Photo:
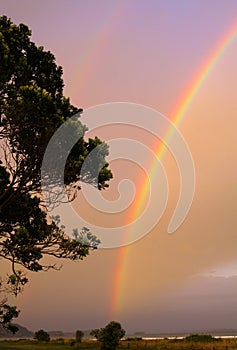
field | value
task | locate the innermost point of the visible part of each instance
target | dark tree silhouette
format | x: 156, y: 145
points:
x: 109, y: 336
x: 41, y: 335
x: 79, y: 336
x: 32, y: 108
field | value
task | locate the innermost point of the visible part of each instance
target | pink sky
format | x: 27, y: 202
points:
x: 147, y: 52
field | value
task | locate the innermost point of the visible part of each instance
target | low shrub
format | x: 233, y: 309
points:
x: 203, y: 338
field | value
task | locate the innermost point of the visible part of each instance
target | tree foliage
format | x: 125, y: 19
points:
x: 79, y: 336
x: 41, y: 335
x: 109, y: 336
x: 202, y: 338
x: 32, y: 108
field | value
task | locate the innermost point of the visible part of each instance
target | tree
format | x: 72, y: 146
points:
x: 109, y: 336
x: 41, y: 335
x: 32, y: 108
x: 79, y: 336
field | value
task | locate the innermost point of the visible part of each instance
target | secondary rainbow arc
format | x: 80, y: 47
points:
x: 178, y: 114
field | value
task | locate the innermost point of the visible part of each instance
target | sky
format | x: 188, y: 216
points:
x: 150, y: 53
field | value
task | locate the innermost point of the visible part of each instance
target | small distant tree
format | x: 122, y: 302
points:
x: 79, y: 336
x: 109, y: 336
x: 41, y: 335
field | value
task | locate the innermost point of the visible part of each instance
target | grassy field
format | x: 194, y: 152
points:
x: 164, y: 344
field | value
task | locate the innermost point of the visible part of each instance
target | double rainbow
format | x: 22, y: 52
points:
x: 185, y: 101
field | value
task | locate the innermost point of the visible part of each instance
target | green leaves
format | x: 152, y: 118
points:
x: 7, y: 313
x: 109, y: 336
x: 32, y: 109
x: 41, y: 335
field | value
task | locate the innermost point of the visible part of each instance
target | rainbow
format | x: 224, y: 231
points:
x: 89, y: 64
x: 177, y: 116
